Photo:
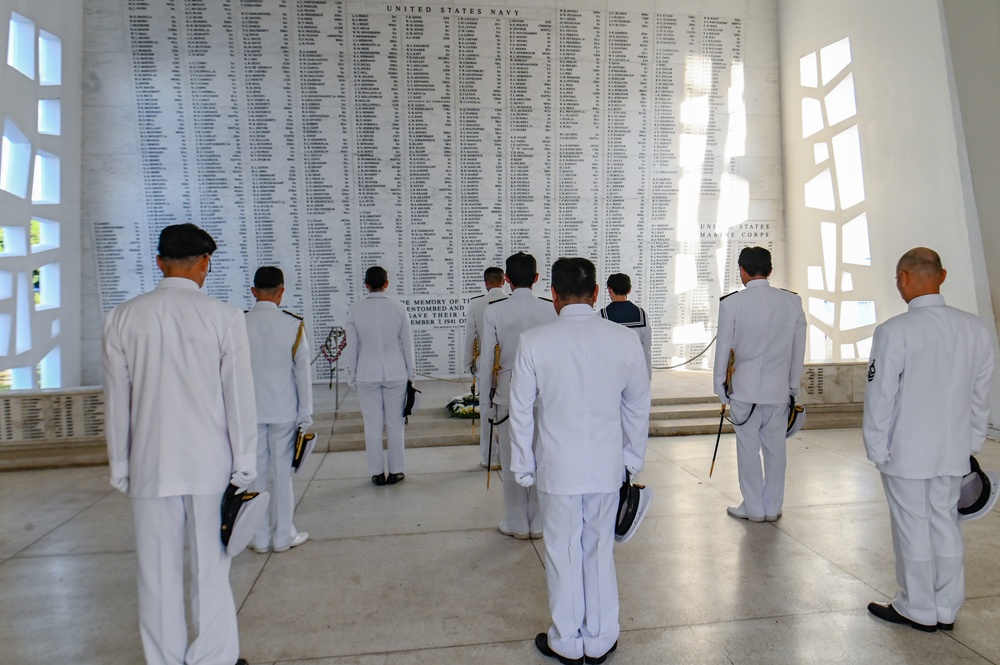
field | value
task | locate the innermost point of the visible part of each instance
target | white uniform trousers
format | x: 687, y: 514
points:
x: 520, y: 504
x: 159, y: 545
x: 763, y: 432
x: 927, y: 540
x: 275, y: 448
x: 382, y: 406
x: 580, y: 571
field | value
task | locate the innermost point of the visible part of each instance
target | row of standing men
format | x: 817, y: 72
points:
x: 189, y: 410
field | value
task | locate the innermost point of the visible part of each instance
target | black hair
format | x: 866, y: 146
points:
x: 620, y: 284
x: 184, y: 241
x: 493, y: 276
x: 574, y: 278
x: 521, y: 270
x: 267, y: 278
x: 756, y: 261
x: 376, y: 277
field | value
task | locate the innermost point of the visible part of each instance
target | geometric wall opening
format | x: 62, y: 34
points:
x: 45, y: 183
x: 44, y: 235
x: 840, y: 324
x: 49, y: 59
x: 50, y: 370
x: 21, y: 45
x: 13, y: 241
x: 15, y: 160
x: 50, y: 117
x: 47, y: 293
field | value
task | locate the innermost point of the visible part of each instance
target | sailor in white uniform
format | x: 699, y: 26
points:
x: 926, y: 412
x: 181, y: 426
x: 474, y: 312
x: 379, y: 357
x: 588, y: 379
x: 624, y: 312
x: 279, y: 356
x: 503, y: 324
x: 765, y: 330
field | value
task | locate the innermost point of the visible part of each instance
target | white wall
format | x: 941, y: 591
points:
x: 916, y: 174
x: 55, y: 325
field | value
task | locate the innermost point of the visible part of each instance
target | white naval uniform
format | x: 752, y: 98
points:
x: 587, y: 377
x: 279, y: 356
x: 180, y: 419
x: 766, y: 329
x: 474, y: 331
x: 926, y: 412
x: 503, y: 324
x: 379, y: 357
x: 630, y: 315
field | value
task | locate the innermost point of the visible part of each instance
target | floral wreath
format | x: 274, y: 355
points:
x: 464, y: 406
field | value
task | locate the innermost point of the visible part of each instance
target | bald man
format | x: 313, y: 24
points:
x: 926, y: 412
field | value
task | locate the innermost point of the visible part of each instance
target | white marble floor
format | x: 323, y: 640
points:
x: 417, y: 573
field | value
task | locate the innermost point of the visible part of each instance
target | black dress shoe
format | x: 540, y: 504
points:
x: 542, y: 644
x: 379, y: 479
x: 887, y: 612
x: 242, y: 661
x: 394, y: 478
x: 946, y: 626
x: 597, y: 660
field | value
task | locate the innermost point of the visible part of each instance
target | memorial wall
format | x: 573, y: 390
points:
x: 437, y: 139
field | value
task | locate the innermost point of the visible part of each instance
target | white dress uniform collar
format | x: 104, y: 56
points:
x: 753, y: 283
x: 929, y: 300
x: 178, y: 282
x: 265, y: 304
x: 577, y: 309
x: 378, y: 294
x: 522, y: 292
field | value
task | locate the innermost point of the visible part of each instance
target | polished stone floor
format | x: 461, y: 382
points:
x: 417, y: 573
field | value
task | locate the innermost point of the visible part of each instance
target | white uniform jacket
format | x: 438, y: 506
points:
x: 503, y: 323
x: 927, y: 400
x: 766, y: 329
x: 379, y: 342
x: 587, y: 376
x: 178, y: 392
x: 474, y: 312
x: 279, y: 356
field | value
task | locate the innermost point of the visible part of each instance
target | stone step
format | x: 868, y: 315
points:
x: 685, y: 417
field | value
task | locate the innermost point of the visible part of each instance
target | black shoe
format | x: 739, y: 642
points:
x: 379, y: 479
x: 887, y: 612
x: 242, y: 661
x: 542, y: 644
x: 394, y: 478
x: 597, y: 660
x: 946, y: 626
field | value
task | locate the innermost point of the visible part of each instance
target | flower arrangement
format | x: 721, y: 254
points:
x: 464, y: 406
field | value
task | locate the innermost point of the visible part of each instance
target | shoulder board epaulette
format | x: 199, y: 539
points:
x: 292, y: 314
x: 727, y: 295
x: 497, y: 300
x: 603, y: 312
x: 792, y: 292
x: 545, y: 299
x: 481, y: 295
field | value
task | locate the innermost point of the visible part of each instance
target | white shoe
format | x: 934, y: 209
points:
x: 536, y: 535
x: 740, y: 513
x: 259, y: 550
x: 507, y: 532
x: 300, y: 537
x: 772, y: 518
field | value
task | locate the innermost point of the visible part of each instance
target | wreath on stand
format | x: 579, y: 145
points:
x: 464, y: 406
